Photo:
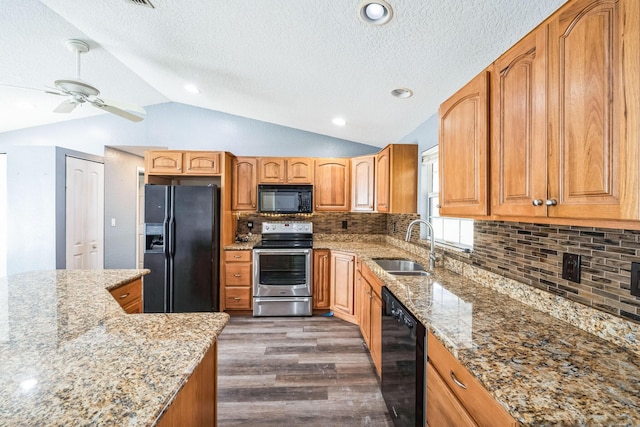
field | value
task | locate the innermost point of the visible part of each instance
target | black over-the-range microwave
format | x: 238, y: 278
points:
x: 286, y: 199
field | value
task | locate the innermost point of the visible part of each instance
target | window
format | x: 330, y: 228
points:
x: 457, y: 232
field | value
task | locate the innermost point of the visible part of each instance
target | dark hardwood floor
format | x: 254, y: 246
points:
x: 296, y: 371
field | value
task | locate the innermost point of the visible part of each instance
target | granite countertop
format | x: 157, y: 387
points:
x: 70, y: 355
x: 543, y: 370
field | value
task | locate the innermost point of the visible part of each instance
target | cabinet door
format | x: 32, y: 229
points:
x: 342, y: 277
x: 383, y: 180
x: 332, y: 189
x: 272, y: 170
x: 375, y: 337
x: 163, y: 162
x: 363, y: 306
x: 300, y: 171
x: 594, y: 110
x: 244, y: 193
x: 463, y: 151
x: 202, y: 162
x: 519, y: 143
x: 321, y: 294
x: 362, y: 183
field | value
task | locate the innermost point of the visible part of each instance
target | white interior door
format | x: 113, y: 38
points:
x: 84, y: 214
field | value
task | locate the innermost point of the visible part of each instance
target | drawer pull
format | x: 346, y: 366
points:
x: 124, y: 295
x: 455, y: 380
x: 237, y: 298
x: 237, y: 275
x: 237, y: 256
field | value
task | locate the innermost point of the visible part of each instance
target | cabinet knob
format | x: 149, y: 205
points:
x: 537, y: 202
x: 551, y: 202
x: 188, y: 169
x: 253, y: 206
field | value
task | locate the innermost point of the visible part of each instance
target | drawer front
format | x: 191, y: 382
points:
x: 135, y: 307
x: 237, y: 256
x: 475, y: 398
x: 238, y: 275
x: 126, y: 294
x: 237, y: 298
x: 443, y: 408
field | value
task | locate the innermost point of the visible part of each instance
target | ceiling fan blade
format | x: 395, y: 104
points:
x: 117, y: 111
x: 66, y: 106
x: 47, y: 90
x: 124, y: 105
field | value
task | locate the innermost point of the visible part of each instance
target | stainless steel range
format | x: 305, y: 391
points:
x: 282, y: 281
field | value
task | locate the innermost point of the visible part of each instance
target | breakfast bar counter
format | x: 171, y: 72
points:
x: 70, y: 355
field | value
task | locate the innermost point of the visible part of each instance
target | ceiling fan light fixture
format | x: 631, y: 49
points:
x: 377, y: 12
x: 402, y: 93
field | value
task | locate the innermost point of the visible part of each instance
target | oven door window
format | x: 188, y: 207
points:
x: 282, y: 269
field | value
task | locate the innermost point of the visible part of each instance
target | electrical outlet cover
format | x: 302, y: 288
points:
x: 635, y: 279
x: 571, y: 267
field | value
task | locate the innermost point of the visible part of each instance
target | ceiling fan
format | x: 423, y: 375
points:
x: 78, y: 92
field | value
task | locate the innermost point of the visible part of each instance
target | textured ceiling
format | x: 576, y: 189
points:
x: 293, y: 63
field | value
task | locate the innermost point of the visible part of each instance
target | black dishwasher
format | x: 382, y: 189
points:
x: 403, y: 363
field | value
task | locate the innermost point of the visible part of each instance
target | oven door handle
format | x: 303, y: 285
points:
x: 281, y: 299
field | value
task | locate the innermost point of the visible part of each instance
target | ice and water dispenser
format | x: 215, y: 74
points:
x: 154, y: 238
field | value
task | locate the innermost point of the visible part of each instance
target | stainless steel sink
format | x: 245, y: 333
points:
x: 401, y: 265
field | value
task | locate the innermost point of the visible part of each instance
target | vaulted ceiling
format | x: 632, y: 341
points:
x: 296, y: 63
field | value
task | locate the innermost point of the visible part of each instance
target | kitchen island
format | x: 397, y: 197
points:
x: 70, y: 355
x: 542, y: 370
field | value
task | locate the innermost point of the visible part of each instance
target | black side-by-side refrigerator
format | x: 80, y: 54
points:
x: 181, y: 248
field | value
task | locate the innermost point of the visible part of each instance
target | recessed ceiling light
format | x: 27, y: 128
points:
x: 402, y: 93
x: 376, y: 12
x: 192, y: 88
x: 339, y: 121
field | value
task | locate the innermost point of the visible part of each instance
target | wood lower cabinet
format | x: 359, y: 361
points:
x: 332, y: 189
x: 369, y: 303
x: 466, y: 397
x: 342, y: 267
x: 397, y: 179
x: 238, y: 272
x: 295, y: 170
x: 464, y: 150
x: 244, y: 184
x: 167, y: 162
x: 321, y: 282
x: 363, y: 183
x: 196, y: 404
x: 129, y: 296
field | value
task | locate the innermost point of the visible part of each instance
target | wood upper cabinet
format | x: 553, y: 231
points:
x: 321, y: 282
x: 519, y: 138
x: 244, y: 186
x: 342, y: 266
x: 275, y: 170
x: 167, y: 162
x: 463, y: 150
x: 397, y: 179
x: 383, y: 180
x: 362, y: 183
x: 594, y: 109
x: 332, y: 189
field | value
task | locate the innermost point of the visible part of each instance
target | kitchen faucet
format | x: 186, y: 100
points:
x: 432, y: 252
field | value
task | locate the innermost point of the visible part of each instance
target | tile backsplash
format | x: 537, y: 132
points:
x: 323, y: 222
x: 532, y: 254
